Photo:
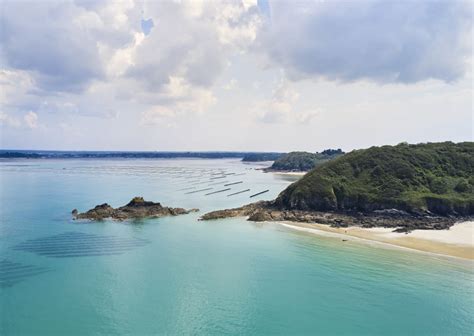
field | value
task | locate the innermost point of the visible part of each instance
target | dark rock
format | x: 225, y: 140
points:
x: 136, y: 208
x: 400, y: 221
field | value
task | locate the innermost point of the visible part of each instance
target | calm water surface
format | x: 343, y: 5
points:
x: 184, y: 276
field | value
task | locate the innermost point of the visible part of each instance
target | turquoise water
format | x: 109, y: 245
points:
x: 184, y: 276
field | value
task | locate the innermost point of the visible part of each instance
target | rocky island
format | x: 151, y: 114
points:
x: 405, y: 187
x: 136, y: 208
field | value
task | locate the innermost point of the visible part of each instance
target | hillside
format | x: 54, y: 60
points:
x: 434, y: 177
x: 303, y: 161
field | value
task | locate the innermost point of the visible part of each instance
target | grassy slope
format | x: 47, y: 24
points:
x: 438, y: 177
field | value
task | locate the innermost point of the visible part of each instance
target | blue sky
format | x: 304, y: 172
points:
x: 237, y: 75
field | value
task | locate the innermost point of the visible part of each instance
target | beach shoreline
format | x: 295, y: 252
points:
x: 456, y: 242
x: 288, y: 173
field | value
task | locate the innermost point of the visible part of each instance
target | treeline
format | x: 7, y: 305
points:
x: 255, y: 157
x: 304, y: 161
x: 135, y: 155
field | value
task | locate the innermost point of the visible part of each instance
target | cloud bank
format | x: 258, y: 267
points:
x: 382, y: 41
x: 152, y: 64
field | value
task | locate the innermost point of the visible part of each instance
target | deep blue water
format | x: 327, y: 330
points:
x: 183, y: 276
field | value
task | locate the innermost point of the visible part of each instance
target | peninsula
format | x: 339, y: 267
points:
x: 303, y: 161
x: 404, y: 187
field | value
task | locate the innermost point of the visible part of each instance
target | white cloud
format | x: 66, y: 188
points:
x: 232, y: 84
x: 90, y: 66
x: 96, y: 57
x: 280, y: 107
x: 58, y: 42
x: 8, y: 120
x: 382, y: 41
x: 156, y: 115
x: 31, y: 120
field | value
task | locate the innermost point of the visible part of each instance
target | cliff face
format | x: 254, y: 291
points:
x: 136, y: 208
x: 425, y: 178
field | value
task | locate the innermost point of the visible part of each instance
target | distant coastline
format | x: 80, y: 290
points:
x: 47, y: 154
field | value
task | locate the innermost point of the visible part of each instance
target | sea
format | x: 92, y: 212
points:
x: 182, y: 276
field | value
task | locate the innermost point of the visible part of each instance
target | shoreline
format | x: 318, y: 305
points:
x: 284, y: 172
x: 456, y: 242
x: 288, y: 173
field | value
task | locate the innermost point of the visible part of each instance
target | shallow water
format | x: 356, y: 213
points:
x: 183, y: 276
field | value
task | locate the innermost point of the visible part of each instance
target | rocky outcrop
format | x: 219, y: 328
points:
x: 136, y: 208
x: 244, y: 211
x: 400, y: 221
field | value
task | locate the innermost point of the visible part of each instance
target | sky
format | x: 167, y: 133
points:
x: 234, y: 75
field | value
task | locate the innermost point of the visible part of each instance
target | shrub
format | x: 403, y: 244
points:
x: 439, y: 185
x: 462, y: 186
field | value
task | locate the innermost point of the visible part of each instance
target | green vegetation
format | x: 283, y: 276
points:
x: 434, y: 177
x: 304, y: 161
x: 256, y: 157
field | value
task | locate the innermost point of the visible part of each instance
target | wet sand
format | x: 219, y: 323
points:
x: 458, y: 241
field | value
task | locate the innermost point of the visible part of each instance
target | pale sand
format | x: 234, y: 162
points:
x: 458, y: 241
x: 289, y: 173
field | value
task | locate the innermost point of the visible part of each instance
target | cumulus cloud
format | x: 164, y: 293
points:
x: 382, y: 41
x: 179, y: 97
x: 29, y: 120
x: 17, y: 89
x: 191, y: 40
x: 97, y: 55
x: 158, y: 62
x: 62, y: 43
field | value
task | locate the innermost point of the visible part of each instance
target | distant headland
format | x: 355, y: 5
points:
x: 44, y: 154
x: 303, y: 161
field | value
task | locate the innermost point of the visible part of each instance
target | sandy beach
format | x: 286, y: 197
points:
x: 289, y: 173
x: 458, y: 241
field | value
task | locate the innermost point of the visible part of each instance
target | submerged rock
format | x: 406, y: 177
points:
x: 136, y: 208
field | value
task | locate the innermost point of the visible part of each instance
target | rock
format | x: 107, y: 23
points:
x: 398, y: 220
x: 392, y: 212
x: 136, y: 208
x: 260, y: 216
x: 246, y: 210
